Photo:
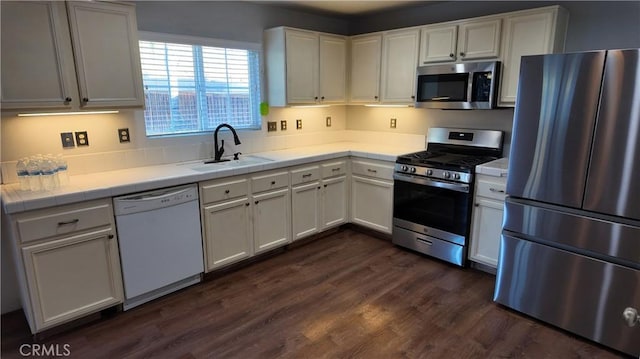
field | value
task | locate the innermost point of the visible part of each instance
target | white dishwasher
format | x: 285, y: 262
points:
x: 160, y: 242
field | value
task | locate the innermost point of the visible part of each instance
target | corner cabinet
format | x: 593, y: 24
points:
x: 67, y: 261
x: 305, y: 67
x: 372, y: 194
x: 399, y: 63
x: 486, y: 223
x: 530, y: 32
x: 469, y: 40
x: 74, y: 55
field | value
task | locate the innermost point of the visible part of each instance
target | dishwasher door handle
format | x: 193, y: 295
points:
x: 154, y: 195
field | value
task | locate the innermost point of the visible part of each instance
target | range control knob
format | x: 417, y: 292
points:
x: 404, y: 168
x: 456, y: 176
x: 429, y: 172
x: 412, y: 170
x: 447, y: 175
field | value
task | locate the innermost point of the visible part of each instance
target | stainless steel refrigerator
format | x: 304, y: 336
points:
x: 570, y: 246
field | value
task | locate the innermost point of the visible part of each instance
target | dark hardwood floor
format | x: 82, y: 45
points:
x: 346, y: 295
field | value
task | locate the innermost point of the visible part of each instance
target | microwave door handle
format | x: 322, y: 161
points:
x: 440, y: 98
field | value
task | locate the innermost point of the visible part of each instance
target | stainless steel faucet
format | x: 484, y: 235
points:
x: 218, y: 151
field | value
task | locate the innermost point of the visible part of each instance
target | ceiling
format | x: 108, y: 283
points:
x: 346, y: 7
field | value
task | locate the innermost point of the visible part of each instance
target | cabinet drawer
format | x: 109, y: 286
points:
x: 371, y: 169
x: 334, y: 169
x: 305, y: 174
x: 63, y: 220
x: 269, y: 181
x: 494, y: 190
x: 218, y: 191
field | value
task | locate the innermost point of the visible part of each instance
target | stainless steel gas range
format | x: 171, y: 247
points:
x: 433, y: 191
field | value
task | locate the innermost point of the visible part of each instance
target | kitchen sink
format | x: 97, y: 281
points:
x: 210, y: 165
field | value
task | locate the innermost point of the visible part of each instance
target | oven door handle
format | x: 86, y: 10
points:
x: 459, y: 187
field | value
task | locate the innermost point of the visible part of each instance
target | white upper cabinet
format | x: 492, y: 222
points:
x: 399, y: 63
x: 468, y: 40
x: 529, y: 32
x: 37, y: 63
x: 107, y: 56
x: 305, y: 67
x: 365, y: 68
x: 86, y: 59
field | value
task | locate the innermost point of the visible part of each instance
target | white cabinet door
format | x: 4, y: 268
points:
x: 365, y: 69
x: 228, y: 236
x: 107, y: 57
x: 271, y: 220
x: 479, y: 40
x: 485, y: 234
x: 305, y: 210
x: 73, y: 276
x: 399, y: 62
x: 334, y: 201
x: 333, y: 69
x: 438, y: 43
x: 37, y: 60
x: 372, y: 203
x: 301, y: 66
x: 528, y: 33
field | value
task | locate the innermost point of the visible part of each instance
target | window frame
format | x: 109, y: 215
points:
x: 208, y: 42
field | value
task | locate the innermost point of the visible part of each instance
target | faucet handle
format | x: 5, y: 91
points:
x: 235, y: 156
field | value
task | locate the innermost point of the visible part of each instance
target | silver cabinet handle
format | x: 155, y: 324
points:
x: 496, y: 190
x: 440, y: 98
x: 631, y: 316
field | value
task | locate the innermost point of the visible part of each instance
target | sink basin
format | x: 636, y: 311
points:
x: 210, y: 165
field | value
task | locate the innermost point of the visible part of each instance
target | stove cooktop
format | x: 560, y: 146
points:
x: 443, y: 160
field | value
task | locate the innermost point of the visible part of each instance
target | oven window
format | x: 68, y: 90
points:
x: 447, y: 87
x: 433, y: 207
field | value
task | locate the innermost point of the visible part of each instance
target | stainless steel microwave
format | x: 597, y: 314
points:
x: 472, y: 85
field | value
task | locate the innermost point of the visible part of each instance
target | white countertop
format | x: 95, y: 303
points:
x: 120, y: 182
x: 496, y: 168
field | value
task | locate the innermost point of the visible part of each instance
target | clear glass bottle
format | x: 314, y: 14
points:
x: 63, y: 174
x: 33, y: 168
x: 23, y: 174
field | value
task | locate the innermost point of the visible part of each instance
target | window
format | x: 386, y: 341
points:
x: 190, y: 87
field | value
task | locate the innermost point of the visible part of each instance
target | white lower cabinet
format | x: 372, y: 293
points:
x: 486, y: 226
x: 227, y: 232
x: 67, y: 260
x: 238, y: 222
x: 334, y: 201
x: 305, y: 203
x: 372, y: 194
x: 271, y: 220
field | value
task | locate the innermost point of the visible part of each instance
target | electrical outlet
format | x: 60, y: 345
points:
x: 298, y: 124
x: 392, y: 123
x: 123, y: 135
x: 67, y: 139
x: 283, y: 125
x: 82, y: 138
x: 328, y: 121
x: 272, y: 126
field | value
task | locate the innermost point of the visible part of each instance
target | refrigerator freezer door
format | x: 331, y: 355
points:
x: 613, y: 182
x: 553, y: 126
x: 586, y: 296
x: 611, y: 241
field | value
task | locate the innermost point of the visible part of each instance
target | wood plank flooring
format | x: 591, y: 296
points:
x: 348, y: 295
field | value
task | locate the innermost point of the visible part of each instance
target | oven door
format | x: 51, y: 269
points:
x: 437, y: 208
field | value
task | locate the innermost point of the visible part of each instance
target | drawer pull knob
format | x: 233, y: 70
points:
x: 496, y: 190
x: 226, y: 191
x: 372, y: 171
x: 273, y: 182
x: 256, y: 202
x: 66, y: 223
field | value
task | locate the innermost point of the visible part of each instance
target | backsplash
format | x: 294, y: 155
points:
x: 26, y: 136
